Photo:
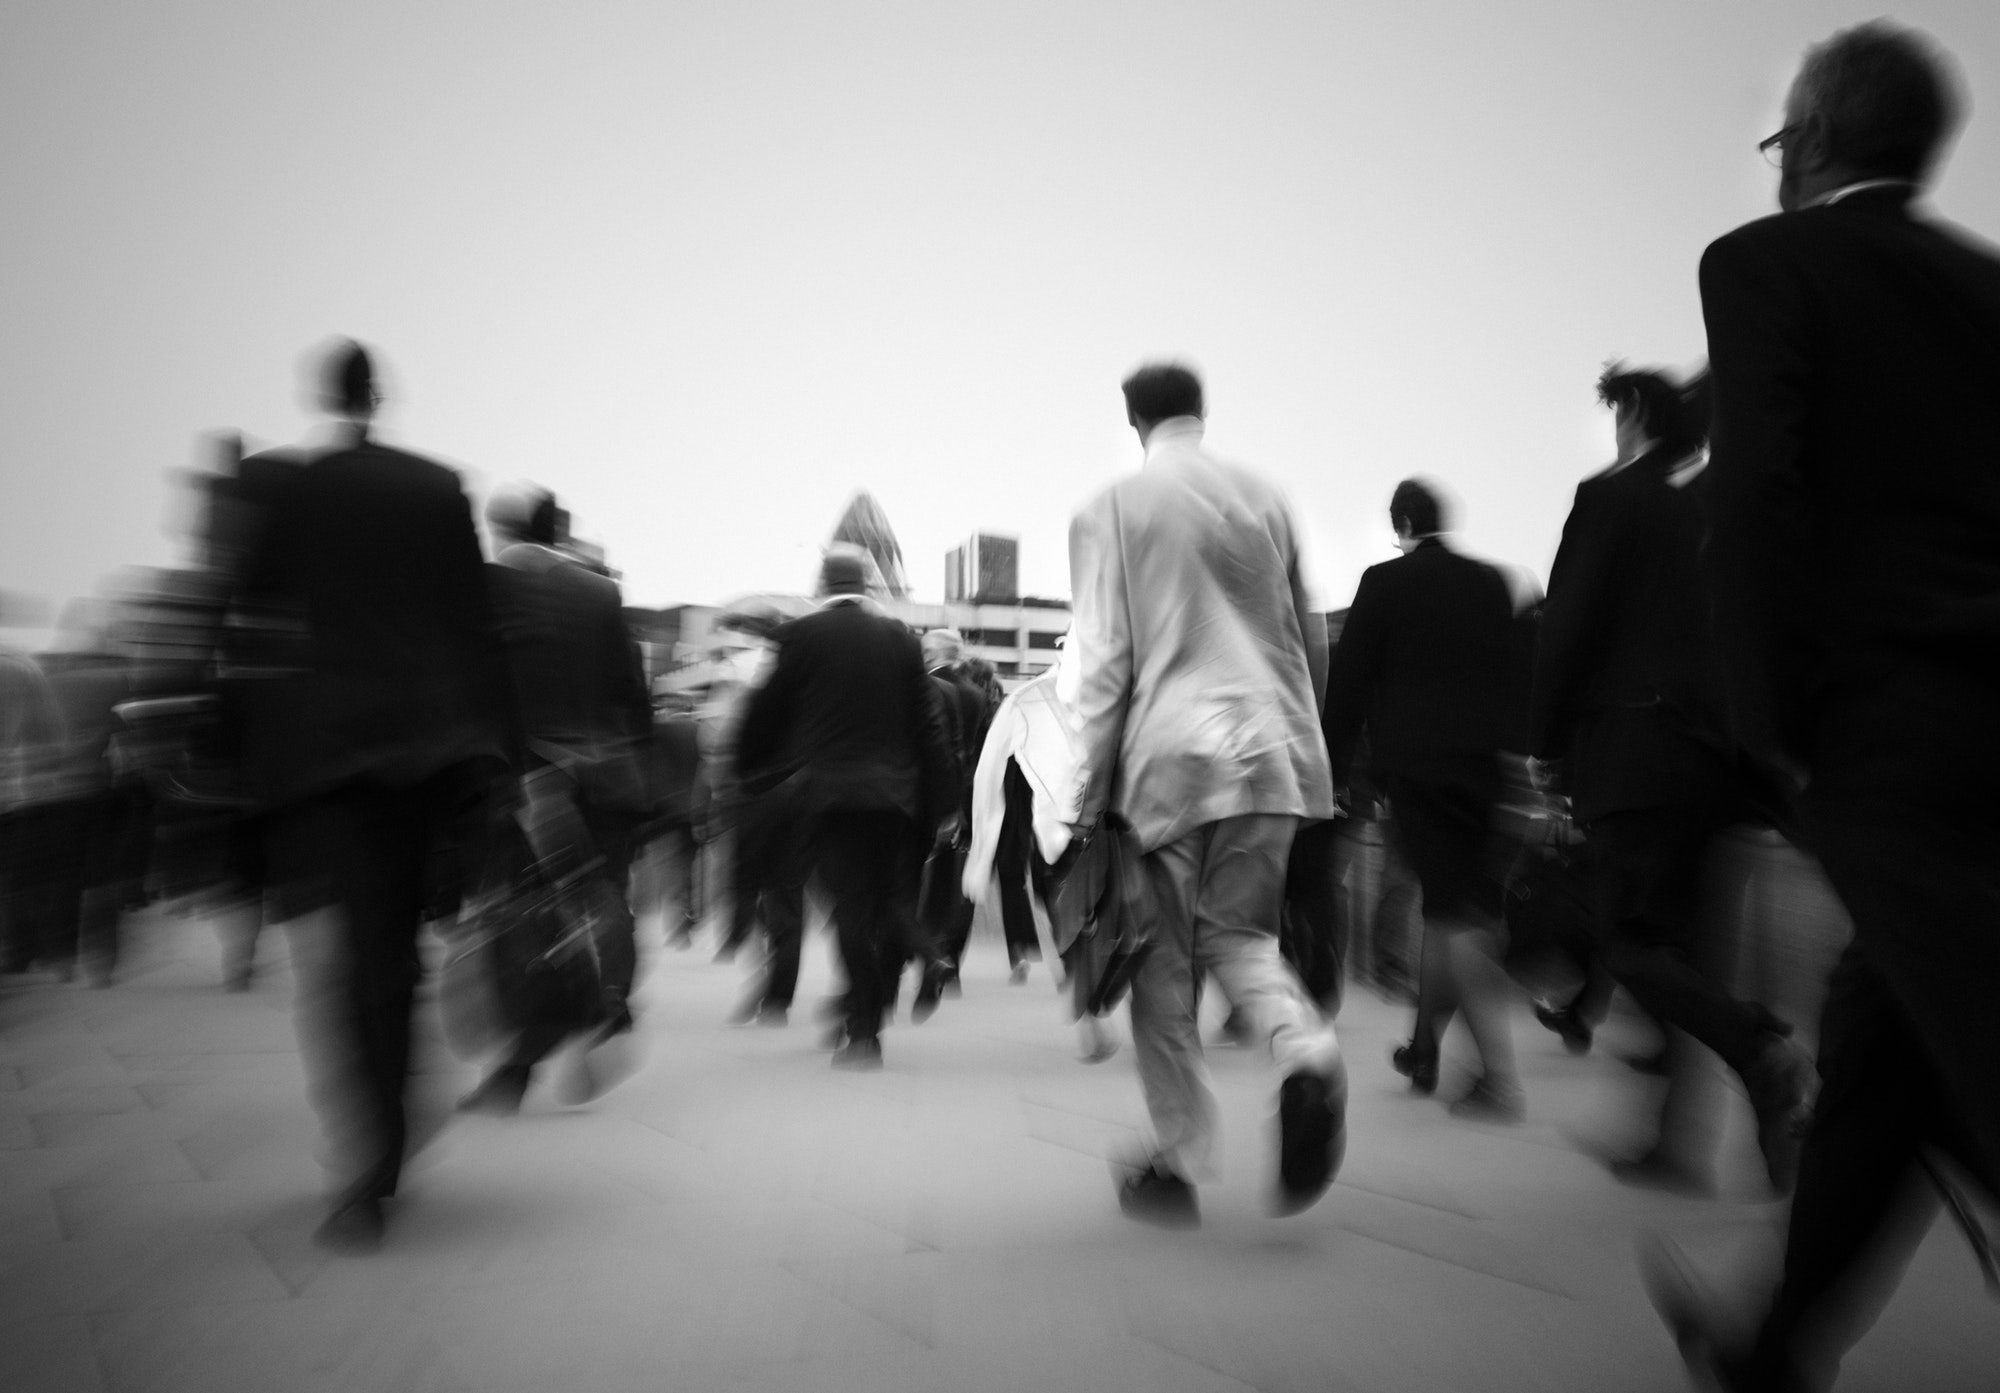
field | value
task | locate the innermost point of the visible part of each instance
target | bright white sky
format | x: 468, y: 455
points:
x: 705, y: 270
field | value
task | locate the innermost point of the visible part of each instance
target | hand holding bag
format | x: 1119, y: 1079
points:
x: 1104, y: 917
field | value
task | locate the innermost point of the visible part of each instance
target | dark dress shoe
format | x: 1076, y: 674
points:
x: 1487, y: 1101
x: 1154, y: 1196
x: 1312, y: 1136
x: 1421, y: 1071
x: 929, y: 991
x: 1575, y: 1031
x: 860, y: 1055
x: 355, y: 1227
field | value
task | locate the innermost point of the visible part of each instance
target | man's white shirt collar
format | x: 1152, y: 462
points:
x: 1175, y: 430
x: 1832, y: 196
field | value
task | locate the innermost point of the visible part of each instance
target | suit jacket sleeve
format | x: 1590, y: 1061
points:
x: 936, y: 751
x: 767, y: 715
x: 1760, y: 329
x: 1579, y: 604
x: 1356, y: 673
x: 1312, y: 628
x: 1101, y: 639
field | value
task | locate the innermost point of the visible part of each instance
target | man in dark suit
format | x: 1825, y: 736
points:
x: 371, y: 751
x: 848, y: 715
x: 1423, y: 664
x: 945, y: 912
x: 1856, y: 464
x: 586, y: 716
x: 1628, y: 696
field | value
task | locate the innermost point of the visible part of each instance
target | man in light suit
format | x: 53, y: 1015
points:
x: 1856, y: 486
x: 1201, y: 670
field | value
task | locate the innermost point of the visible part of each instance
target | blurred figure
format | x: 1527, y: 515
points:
x: 1201, y: 667
x: 848, y: 712
x: 31, y: 742
x: 96, y: 812
x: 1380, y: 905
x: 1628, y: 695
x: 375, y: 754
x: 1018, y: 830
x: 676, y: 756
x: 1423, y: 662
x: 586, y: 718
x: 742, y: 660
x: 945, y: 912
x: 1856, y: 352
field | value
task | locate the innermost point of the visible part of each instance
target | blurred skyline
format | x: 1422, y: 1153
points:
x: 708, y: 270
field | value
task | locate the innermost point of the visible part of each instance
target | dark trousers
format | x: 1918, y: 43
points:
x: 1018, y: 865
x: 373, y: 847
x: 771, y: 874
x: 944, y: 914
x: 868, y: 862
x: 1310, y: 931
x: 1646, y: 872
x: 1909, y: 1058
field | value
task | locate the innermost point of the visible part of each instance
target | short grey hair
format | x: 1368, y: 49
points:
x: 1888, y: 96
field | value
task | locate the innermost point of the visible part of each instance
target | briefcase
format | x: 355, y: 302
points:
x: 524, y: 951
x: 1104, y: 917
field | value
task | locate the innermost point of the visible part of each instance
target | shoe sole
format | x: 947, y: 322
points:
x: 1312, y: 1138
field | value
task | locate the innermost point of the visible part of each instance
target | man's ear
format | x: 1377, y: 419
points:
x: 1812, y: 144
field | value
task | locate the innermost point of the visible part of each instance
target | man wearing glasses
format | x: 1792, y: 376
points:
x: 1856, y: 476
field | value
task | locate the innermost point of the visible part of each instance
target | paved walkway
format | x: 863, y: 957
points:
x: 740, y: 1216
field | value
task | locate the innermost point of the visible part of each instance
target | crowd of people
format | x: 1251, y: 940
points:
x: 1768, y: 611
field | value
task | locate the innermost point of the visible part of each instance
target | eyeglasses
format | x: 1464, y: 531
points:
x: 1772, y: 147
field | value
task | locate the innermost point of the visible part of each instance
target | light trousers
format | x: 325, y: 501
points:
x: 1218, y: 892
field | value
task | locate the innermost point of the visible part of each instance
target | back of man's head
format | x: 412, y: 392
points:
x: 1674, y: 416
x: 524, y: 513
x: 1886, y: 97
x: 1416, y: 508
x: 347, y: 381
x: 843, y: 570
x: 1159, y: 391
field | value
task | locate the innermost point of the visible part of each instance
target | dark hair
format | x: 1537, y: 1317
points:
x: 1886, y: 96
x: 1674, y: 415
x: 542, y: 520
x: 1160, y: 390
x: 1416, y: 506
x: 984, y: 676
x: 350, y: 379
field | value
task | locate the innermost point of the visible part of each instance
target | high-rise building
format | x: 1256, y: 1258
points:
x: 864, y: 524
x: 985, y: 571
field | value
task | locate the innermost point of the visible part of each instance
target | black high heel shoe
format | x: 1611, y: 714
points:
x: 1420, y: 1070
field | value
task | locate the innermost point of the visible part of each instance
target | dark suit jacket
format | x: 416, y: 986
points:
x: 400, y: 673
x: 1424, y: 661
x: 850, y: 713
x: 1628, y: 686
x: 1856, y: 557
x: 970, y: 720
x: 576, y: 668
x: 1856, y: 353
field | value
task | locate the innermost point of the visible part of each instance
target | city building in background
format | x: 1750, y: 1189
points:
x: 865, y: 525
x: 985, y: 571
